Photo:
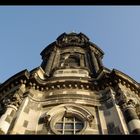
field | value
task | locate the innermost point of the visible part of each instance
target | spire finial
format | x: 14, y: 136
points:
x: 73, y: 31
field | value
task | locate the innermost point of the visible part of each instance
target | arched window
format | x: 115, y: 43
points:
x: 71, y: 60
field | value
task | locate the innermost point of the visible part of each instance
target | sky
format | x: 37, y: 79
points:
x: 26, y: 30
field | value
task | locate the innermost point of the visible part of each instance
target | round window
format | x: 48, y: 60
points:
x: 68, y: 119
x: 67, y: 124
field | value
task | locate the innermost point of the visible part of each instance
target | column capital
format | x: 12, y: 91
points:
x: 12, y: 100
x: 129, y: 104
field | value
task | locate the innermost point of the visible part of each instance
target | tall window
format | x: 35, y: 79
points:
x: 71, y: 60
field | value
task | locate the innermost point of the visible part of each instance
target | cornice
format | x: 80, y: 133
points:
x: 16, y: 79
x: 118, y: 77
x: 48, y: 83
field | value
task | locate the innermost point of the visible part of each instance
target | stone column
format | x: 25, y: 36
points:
x: 94, y: 61
x: 55, y: 63
x: 11, y: 104
x: 7, y: 118
x: 100, y: 62
x: 16, y: 122
x: 131, y: 117
x: 82, y: 60
x: 50, y: 62
x: 121, y: 119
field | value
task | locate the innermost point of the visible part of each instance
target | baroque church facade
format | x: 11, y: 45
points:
x: 71, y: 92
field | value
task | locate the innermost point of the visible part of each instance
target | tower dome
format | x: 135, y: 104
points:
x: 72, y: 51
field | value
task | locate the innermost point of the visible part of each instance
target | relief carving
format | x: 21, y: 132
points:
x: 13, y: 99
x: 72, y: 40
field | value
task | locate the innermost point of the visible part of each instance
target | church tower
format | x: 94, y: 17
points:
x: 71, y: 92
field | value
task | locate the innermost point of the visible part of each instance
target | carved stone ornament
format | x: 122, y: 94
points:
x: 71, y: 40
x: 129, y: 104
x: 15, y: 100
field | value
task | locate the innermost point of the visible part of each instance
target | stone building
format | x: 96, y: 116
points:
x: 71, y: 92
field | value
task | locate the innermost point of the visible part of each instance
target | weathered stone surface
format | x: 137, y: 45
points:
x: 71, y: 92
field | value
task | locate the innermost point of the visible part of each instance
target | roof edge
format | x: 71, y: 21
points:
x: 24, y: 73
x: 125, y: 77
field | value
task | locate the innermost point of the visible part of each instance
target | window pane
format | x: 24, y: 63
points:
x: 68, y: 126
x: 58, y: 126
x: 78, y: 125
